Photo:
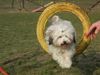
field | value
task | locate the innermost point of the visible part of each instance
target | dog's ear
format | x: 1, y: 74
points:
x: 74, y: 38
x: 50, y: 40
x: 48, y: 35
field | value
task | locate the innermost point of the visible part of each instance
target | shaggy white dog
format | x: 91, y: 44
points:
x: 60, y: 37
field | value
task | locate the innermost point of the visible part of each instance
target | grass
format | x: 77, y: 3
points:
x: 18, y: 39
x: 18, y: 36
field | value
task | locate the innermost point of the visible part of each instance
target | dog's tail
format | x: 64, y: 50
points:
x: 55, y: 18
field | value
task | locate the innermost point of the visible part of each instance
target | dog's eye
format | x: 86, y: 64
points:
x: 66, y: 36
x: 60, y: 37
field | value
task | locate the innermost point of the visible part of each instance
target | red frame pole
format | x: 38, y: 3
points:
x: 3, y: 71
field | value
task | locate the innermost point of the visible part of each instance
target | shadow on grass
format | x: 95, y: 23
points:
x: 88, y: 64
x: 44, y: 65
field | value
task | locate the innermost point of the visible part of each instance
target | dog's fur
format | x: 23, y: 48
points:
x: 61, y: 39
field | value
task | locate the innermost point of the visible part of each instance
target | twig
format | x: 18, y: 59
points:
x: 16, y: 58
x: 94, y: 5
x: 41, y: 7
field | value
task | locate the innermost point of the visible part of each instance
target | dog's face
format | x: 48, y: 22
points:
x: 61, y: 34
x: 61, y: 38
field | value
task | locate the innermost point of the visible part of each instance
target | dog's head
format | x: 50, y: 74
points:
x: 61, y: 33
x: 61, y: 38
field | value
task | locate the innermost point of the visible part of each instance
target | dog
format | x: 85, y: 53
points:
x: 60, y: 37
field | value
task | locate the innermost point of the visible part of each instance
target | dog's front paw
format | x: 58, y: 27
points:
x: 65, y: 63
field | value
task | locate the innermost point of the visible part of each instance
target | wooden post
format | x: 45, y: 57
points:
x: 12, y: 3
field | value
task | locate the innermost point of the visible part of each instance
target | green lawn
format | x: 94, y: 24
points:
x: 18, y: 36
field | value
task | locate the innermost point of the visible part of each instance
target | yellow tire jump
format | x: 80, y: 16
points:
x: 68, y: 7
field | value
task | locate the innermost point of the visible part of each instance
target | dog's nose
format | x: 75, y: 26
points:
x: 64, y: 42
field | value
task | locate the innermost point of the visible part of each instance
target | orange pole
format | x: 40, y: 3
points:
x: 3, y: 71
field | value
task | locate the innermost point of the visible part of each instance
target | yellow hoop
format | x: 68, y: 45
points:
x: 58, y: 7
